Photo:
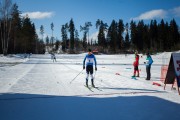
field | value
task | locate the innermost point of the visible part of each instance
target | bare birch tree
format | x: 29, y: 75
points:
x: 5, y: 23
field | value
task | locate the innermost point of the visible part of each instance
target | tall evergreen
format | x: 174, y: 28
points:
x: 146, y: 39
x: 16, y: 30
x: 76, y: 40
x: 101, y: 35
x: 174, y: 33
x: 127, y: 41
x: 85, y: 29
x: 52, y: 37
x: 26, y: 26
x: 85, y: 40
x: 133, y: 34
x: 166, y: 38
x: 112, y: 36
x: 71, y: 30
x: 28, y: 41
x: 161, y: 35
x: 35, y: 39
x: 47, y: 40
x: 120, y: 31
x: 64, y: 36
x: 42, y: 31
x: 153, y: 34
x: 139, y: 40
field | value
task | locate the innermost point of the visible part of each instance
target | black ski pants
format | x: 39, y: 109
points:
x: 148, y: 71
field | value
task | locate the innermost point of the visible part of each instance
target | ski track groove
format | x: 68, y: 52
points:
x: 15, y: 81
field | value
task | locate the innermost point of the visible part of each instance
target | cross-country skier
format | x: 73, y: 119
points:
x: 148, y: 63
x: 136, y: 64
x: 53, y: 57
x: 90, y: 59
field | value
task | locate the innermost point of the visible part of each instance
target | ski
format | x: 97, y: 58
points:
x: 89, y: 88
x: 133, y: 77
x: 97, y: 88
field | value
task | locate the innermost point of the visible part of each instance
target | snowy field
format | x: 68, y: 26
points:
x: 37, y: 88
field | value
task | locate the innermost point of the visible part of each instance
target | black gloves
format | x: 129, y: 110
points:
x: 83, y: 67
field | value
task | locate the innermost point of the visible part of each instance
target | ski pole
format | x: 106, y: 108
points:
x: 76, y: 76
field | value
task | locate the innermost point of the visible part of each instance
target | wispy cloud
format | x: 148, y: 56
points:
x: 38, y: 15
x: 176, y: 11
x: 160, y: 13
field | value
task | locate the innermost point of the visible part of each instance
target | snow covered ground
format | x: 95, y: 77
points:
x: 38, y: 89
x: 12, y: 60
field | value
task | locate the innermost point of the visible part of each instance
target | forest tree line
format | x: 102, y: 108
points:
x: 18, y: 35
x: 119, y: 37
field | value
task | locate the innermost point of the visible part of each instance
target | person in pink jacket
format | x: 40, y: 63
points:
x: 136, y: 64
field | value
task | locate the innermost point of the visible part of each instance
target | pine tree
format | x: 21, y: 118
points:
x: 167, y: 40
x: 42, y: 31
x: 161, y: 35
x: 140, y: 29
x: 71, y: 30
x: 120, y: 31
x: 174, y: 33
x: 64, y: 36
x: 47, y: 40
x: 52, y: 37
x: 145, y: 38
x: 57, y: 44
x: 127, y: 42
x: 133, y: 34
x: 101, y: 35
x: 15, y: 31
x: 112, y: 36
x: 29, y: 42
x: 85, y: 41
x: 76, y: 40
x: 26, y: 24
x: 85, y: 29
x: 153, y: 34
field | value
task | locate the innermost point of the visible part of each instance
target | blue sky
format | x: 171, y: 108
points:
x: 44, y: 12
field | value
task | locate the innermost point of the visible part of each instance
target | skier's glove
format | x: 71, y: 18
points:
x: 83, y: 67
x: 96, y: 68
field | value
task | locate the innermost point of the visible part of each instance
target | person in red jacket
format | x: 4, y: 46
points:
x: 136, y: 64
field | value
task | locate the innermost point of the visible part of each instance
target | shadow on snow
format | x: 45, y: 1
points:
x: 48, y: 107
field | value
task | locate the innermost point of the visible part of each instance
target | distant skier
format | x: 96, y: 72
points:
x: 148, y: 63
x: 90, y: 59
x: 53, y: 57
x: 136, y: 64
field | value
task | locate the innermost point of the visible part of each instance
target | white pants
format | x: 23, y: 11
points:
x: 87, y: 76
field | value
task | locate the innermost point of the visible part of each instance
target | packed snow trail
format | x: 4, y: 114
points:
x: 40, y: 89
